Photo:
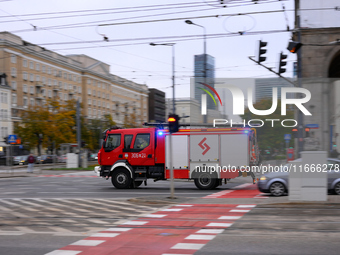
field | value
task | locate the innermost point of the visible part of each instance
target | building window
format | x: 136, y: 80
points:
x: 65, y: 75
x: 60, y: 95
x: 14, y: 85
x: 37, y: 66
x: 25, y: 102
x: 94, y: 102
x: 43, y: 69
x: 43, y: 80
x: 50, y: 93
x: 49, y: 82
x: 55, y: 72
x: 60, y: 85
x: 90, y: 112
x: 24, y: 76
x: 37, y: 78
x: 24, y: 62
x: 89, y: 101
x: 31, y: 65
x: 65, y: 97
x: 65, y: 85
x: 88, y: 81
x: 13, y: 58
x: 74, y: 78
x: 70, y: 77
x: 31, y: 77
x: 89, y: 91
x: 32, y: 89
x: 49, y: 70
x: 14, y: 99
x: 99, y: 94
x: 94, y: 93
x: 70, y: 87
x: 79, y: 80
x: 32, y: 101
x: 25, y: 88
x: 79, y: 89
x: 55, y: 82
x: 14, y: 72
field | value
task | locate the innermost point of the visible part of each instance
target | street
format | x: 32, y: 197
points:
x: 61, y: 212
x: 45, y: 212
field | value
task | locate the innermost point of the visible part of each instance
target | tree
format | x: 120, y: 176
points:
x: 48, y: 125
x: 130, y: 121
x: 270, y: 137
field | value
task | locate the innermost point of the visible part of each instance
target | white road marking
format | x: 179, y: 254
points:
x: 134, y: 222
x: 105, y: 235
x: 155, y: 215
x: 217, y: 224
x: 184, y: 205
x: 200, y: 237
x: 239, y: 210
x: 118, y: 229
x: 245, y: 206
x: 229, y: 217
x: 88, y: 242
x: 188, y: 246
x: 63, y: 252
x: 210, y: 231
x: 171, y: 210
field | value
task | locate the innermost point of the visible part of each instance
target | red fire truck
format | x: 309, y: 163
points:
x: 209, y: 156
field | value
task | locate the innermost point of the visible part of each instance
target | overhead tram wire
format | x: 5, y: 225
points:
x: 79, y: 25
x: 133, y: 9
x: 172, y: 38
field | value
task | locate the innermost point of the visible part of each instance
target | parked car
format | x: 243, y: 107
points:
x: 44, y: 159
x: 20, y: 160
x: 276, y: 183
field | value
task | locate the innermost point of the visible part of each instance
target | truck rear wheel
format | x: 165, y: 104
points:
x: 121, y: 178
x: 206, y: 181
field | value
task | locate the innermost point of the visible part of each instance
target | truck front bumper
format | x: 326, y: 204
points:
x: 97, y: 170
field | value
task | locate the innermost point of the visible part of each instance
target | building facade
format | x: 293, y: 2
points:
x: 6, y: 127
x: 156, y: 106
x: 204, y: 73
x: 36, y: 74
x: 319, y: 29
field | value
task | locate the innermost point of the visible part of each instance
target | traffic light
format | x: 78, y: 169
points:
x: 262, y: 51
x: 295, y: 132
x: 6, y: 140
x: 282, y: 63
x: 293, y: 47
x: 173, y: 123
x: 307, y: 132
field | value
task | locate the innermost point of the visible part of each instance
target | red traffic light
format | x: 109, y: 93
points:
x: 293, y: 47
x: 294, y: 129
x: 307, y: 129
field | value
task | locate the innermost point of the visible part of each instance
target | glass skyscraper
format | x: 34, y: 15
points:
x: 199, y: 78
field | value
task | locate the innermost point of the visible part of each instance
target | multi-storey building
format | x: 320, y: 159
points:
x: 156, y: 105
x: 5, y: 110
x: 204, y: 72
x: 36, y: 74
x: 264, y: 88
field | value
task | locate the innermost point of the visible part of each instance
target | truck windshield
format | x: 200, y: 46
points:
x: 112, y: 142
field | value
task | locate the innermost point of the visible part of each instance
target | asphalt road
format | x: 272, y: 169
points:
x: 45, y: 212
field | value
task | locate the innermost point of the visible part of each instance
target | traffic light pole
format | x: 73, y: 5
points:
x: 270, y: 69
x: 172, y: 185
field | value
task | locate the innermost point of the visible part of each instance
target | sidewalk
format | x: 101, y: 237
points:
x: 21, y: 171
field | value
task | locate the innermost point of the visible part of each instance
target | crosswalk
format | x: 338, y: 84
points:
x: 60, y: 216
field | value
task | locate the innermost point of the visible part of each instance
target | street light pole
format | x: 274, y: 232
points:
x: 204, y: 56
x: 172, y: 184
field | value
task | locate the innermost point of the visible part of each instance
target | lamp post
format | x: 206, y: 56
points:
x: 189, y: 22
x: 172, y: 185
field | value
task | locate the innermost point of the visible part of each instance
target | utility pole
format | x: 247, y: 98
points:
x: 78, y: 133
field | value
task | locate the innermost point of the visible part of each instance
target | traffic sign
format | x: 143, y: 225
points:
x: 287, y: 137
x: 312, y: 126
x: 12, y: 139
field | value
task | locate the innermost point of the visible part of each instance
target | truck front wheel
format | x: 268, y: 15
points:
x: 206, y: 181
x: 121, y: 178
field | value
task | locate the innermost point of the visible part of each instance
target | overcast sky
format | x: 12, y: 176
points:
x: 130, y: 56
